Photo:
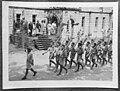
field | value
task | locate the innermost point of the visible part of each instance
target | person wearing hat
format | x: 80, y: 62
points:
x: 99, y: 51
x: 110, y: 52
x: 72, y: 55
x: 29, y: 63
x: 87, y: 53
x: 57, y: 55
x: 67, y: 50
x: 93, y: 55
x: 38, y: 25
x: 79, y: 56
x: 62, y: 59
x: 104, y: 52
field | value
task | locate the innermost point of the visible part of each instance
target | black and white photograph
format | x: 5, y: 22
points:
x: 60, y: 44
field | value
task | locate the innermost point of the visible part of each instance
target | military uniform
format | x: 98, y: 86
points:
x: 93, y: 56
x: 72, y: 56
x: 79, y: 57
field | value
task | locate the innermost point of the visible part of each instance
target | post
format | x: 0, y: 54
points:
x: 89, y: 24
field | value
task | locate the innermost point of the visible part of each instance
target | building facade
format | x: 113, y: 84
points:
x: 94, y: 21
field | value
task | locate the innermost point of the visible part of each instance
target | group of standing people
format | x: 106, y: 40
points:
x: 85, y: 51
x: 46, y: 27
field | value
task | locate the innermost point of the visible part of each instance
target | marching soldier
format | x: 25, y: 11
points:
x: 99, y: 51
x: 87, y: 53
x: 66, y: 52
x: 72, y: 55
x: 79, y: 57
x: 93, y: 55
x: 110, y: 52
x: 104, y: 53
x: 61, y: 59
x: 51, y: 55
x: 57, y: 55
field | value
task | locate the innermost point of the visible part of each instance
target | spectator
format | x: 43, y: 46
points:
x: 54, y: 27
x: 49, y: 27
x: 24, y: 30
x: 38, y: 25
x: 31, y: 28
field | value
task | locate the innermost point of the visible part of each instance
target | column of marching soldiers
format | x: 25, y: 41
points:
x: 87, y: 52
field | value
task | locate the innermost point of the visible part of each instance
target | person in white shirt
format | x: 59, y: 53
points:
x: 49, y: 27
x: 54, y: 26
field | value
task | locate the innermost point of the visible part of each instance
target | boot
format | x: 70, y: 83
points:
x: 35, y: 72
x: 25, y: 75
x: 78, y: 66
x: 60, y: 71
x: 65, y: 69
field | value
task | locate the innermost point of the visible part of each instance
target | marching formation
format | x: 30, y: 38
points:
x: 82, y: 53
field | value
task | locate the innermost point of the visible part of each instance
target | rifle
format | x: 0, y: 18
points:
x: 90, y: 46
x: 68, y: 43
x: 55, y: 50
x: 52, y: 45
x: 80, y: 40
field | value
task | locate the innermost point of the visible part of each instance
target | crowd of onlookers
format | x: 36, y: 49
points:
x: 45, y: 26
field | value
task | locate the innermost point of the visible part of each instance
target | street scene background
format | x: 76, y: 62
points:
x: 28, y: 27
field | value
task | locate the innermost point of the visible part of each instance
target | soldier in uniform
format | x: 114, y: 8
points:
x: 79, y: 57
x: 61, y: 59
x: 104, y: 52
x: 57, y: 55
x: 93, y: 55
x: 29, y: 63
x: 72, y: 55
x: 66, y: 52
x: 110, y: 52
x: 51, y: 55
x: 87, y: 53
x: 99, y: 52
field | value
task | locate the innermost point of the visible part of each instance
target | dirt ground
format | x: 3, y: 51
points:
x: 17, y: 66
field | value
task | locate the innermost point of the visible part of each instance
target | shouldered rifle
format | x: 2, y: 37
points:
x: 52, y: 45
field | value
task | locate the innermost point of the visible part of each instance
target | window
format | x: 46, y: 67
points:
x: 83, y: 21
x: 34, y: 19
x: 96, y: 22
x: 103, y: 23
x: 18, y: 17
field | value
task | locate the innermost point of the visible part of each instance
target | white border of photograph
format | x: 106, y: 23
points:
x: 55, y: 83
